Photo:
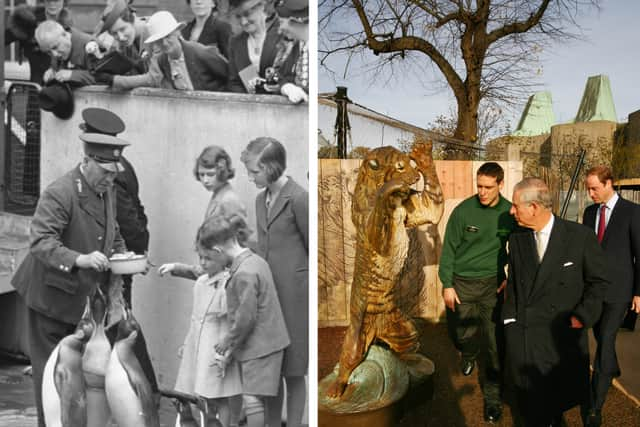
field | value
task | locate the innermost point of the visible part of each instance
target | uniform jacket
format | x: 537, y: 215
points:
x: 621, y: 244
x: 257, y: 326
x: 129, y: 212
x: 215, y: 32
x: 208, y: 70
x: 239, y: 56
x: 545, y: 358
x: 283, y: 241
x: 70, y: 220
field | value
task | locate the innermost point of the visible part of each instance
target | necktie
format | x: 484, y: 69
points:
x: 539, y: 245
x: 602, y: 222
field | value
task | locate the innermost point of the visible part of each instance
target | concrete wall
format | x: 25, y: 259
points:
x: 167, y: 131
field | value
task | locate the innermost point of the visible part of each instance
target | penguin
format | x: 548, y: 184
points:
x: 128, y: 391
x: 94, y: 365
x: 63, y: 386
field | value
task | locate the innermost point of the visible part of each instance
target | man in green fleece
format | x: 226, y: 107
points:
x: 472, y: 274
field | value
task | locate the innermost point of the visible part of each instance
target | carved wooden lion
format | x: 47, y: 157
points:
x: 395, y: 193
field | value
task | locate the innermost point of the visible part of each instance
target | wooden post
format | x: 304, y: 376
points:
x: 3, y: 97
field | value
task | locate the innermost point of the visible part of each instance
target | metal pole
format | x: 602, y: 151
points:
x: 342, y: 120
x: 3, y: 106
x: 574, y: 180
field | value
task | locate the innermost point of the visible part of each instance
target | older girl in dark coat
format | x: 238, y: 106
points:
x: 282, y: 215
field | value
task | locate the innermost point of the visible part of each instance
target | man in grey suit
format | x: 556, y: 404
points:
x: 616, y: 222
x: 556, y: 279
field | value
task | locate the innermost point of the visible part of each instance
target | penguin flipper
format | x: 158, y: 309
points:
x: 70, y: 388
x: 140, y: 386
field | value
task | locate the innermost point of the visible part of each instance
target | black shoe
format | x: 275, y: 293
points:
x: 594, y: 418
x: 492, y: 413
x: 466, y: 366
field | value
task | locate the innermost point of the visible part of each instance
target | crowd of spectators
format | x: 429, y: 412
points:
x: 258, y: 47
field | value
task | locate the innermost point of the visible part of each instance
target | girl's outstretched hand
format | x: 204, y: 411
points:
x: 166, y: 268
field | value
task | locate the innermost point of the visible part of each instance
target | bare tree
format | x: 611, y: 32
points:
x: 485, y: 50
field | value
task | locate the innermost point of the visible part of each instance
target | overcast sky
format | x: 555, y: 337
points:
x: 612, y: 34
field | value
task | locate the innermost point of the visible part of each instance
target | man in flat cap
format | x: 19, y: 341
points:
x: 73, y: 233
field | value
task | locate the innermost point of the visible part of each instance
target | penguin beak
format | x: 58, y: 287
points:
x: 87, y: 309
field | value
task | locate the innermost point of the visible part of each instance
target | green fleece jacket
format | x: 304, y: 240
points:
x: 475, y: 240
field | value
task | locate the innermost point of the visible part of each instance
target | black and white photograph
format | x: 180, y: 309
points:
x: 154, y: 214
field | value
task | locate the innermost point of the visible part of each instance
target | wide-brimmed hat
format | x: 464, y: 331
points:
x: 295, y: 9
x: 57, y: 98
x: 111, y: 13
x: 160, y: 25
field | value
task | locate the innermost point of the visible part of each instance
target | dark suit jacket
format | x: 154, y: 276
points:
x: 546, y: 359
x: 79, y: 61
x: 208, y: 69
x: 38, y: 60
x: 130, y: 212
x: 283, y: 240
x: 239, y: 56
x: 215, y: 32
x: 621, y: 244
x: 69, y: 220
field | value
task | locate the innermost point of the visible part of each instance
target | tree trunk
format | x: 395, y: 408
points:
x: 467, y: 128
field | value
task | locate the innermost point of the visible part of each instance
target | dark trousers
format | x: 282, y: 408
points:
x: 472, y: 327
x: 44, y: 333
x: 605, y: 362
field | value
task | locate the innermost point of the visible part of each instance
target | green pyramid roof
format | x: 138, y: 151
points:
x: 597, y: 101
x: 537, y: 117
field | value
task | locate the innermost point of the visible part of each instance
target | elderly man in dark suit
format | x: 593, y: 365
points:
x: 177, y: 64
x: 73, y: 233
x: 616, y: 223
x: 557, y: 276
x: 66, y: 46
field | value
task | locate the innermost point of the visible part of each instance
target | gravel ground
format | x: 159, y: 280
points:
x: 457, y: 400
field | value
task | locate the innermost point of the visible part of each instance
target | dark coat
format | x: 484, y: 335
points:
x: 547, y: 362
x: 257, y: 327
x: 18, y: 31
x: 215, y: 32
x: 283, y: 240
x: 70, y: 220
x: 289, y: 72
x: 239, y: 56
x: 208, y: 69
x: 621, y: 244
x: 130, y: 212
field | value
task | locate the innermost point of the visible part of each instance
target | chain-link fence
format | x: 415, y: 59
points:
x: 22, y: 148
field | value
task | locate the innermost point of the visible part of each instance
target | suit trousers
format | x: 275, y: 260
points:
x: 605, y: 363
x: 45, y: 333
x: 472, y: 328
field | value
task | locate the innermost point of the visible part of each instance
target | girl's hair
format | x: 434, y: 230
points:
x: 209, y: 158
x: 270, y: 155
x: 218, y: 229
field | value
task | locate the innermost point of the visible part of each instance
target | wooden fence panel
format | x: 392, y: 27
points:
x: 336, y: 233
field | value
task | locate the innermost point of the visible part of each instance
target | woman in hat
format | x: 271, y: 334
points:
x: 253, y: 50
x: 207, y: 27
x: 128, y: 31
x: 292, y: 60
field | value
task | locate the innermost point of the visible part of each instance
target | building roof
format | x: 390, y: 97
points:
x: 597, y: 101
x: 537, y: 117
